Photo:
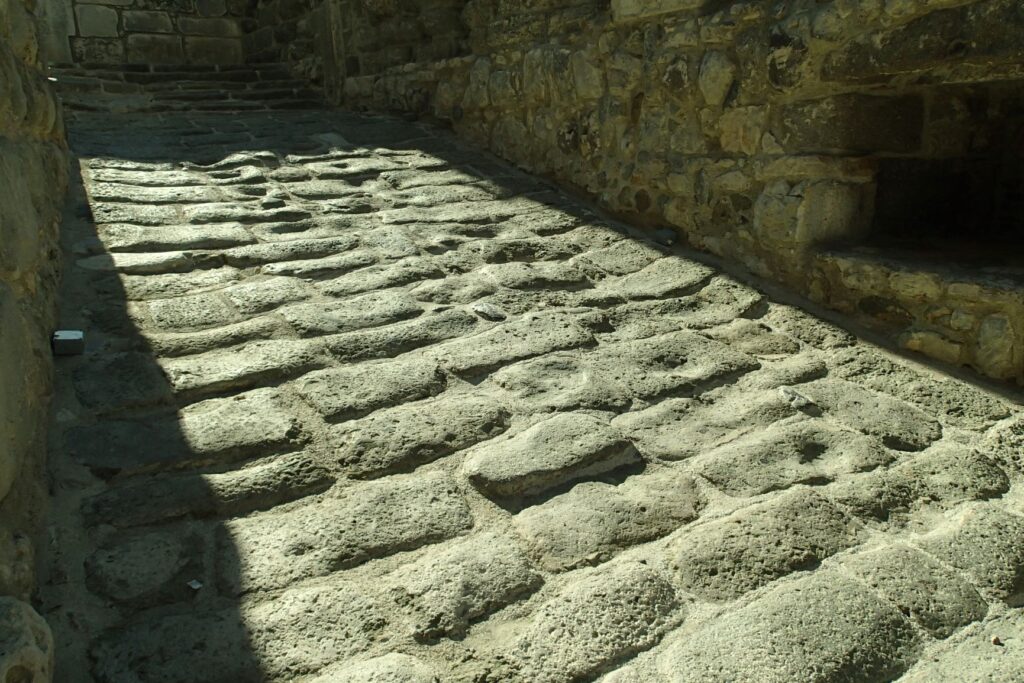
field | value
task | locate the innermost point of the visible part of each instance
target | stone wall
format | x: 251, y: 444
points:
x: 759, y: 131
x: 33, y: 176
x: 172, y: 32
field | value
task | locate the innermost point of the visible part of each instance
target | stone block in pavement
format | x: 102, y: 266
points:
x: 987, y: 544
x: 146, y: 569
x: 623, y: 257
x: 298, y: 631
x: 277, y: 480
x: 355, y: 313
x: 276, y: 252
x: 677, y: 429
x: 213, y: 431
x: 262, y: 294
x: 327, y: 266
x: 941, y: 477
x: 552, y: 453
x: 669, y: 276
x: 383, y: 276
x: 988, y: 652
x: 247, y: 367
x: 825, y: 628
x: 26, y: 643
x: 899, y: 424
x: 350, y: 392
x: 604, y: 616
x: 445, y: 591
x: 532, y: 335
x: 616, y: 376
x: 784, y: 454
x: 933, y: 595
x: 402, y: 337
x: 405, y: 437
x: 365, y: 521
x: 194, y: 312
x: 594, y: 520
x: 120, y: 380
x: 724, y: 559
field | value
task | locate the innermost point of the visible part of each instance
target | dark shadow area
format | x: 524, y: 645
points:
x: 966, y: 208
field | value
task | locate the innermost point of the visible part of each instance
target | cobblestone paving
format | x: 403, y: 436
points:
x: 362, y: 404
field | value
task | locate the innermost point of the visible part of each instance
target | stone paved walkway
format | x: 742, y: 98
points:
x: 362, y: 404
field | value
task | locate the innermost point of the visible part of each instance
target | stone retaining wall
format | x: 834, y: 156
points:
x: 172, y: 32
x: 33, y: 177
x: 756, y: 130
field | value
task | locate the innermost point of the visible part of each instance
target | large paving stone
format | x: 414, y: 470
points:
x: 259, y: 362
x: 195, y: 312
x: 559, y: 450
x: 934, y: 596
x: 899, y: 424
x: 990, y: 652
x: 670, y: 276
x: 120, y: 380
x: 295, y: 632
x: 677, y: 429
x: 218, y: 430
x: 594, y: 520
x: 988, y: 545
x: 278, y: 480
x: 408, y: 436
x: 350, y: 392
x: 952, y: 402
x: 359, y: 312
x: 392, y: 340
x: 939, y: 478
x: 260, y: 254
x: 616, y: 376
x: 721, y: 300
x: 532, y: 335
x: 146, y: 569
x: 446, y: 591
x: 623, y: 257
x: 170, y: 238
x: 604, y: 616
x: 825, y: 628
x: 364, y: 522
x: 785, y: 454
x: 383, y: 276
x: 724, y: 559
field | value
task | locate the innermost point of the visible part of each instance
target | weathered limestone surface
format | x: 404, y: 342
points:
x: 363, y: 404
x: 33, y: 178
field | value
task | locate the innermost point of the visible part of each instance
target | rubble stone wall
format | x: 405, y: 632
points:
x: 756, y: 130
x: 33, y: 177
x: 171, y: 32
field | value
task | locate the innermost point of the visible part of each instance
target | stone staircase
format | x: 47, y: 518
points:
x: 152, y: 88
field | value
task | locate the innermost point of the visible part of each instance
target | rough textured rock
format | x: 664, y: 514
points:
x: 605, y: 460
x: 728, y: 557
x: 606, y: 616
x: 825, y: 627
x: 26, y: 644
x: 559, y: 450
